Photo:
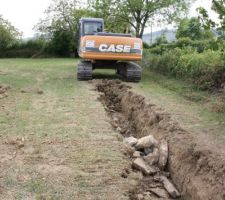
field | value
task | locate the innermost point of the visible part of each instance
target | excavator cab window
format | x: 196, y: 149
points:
x: 91, y: 28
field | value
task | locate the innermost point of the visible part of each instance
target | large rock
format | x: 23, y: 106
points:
x: 159, y: 192
x: 141, y: 165
x: 130, y: 141
x: 146, y: 142
x: 170, y: 188
x: 163, y: 154
x: 152, y: 158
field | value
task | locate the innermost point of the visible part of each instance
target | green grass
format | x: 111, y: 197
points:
x: 196, y: 110
x: 55, y: 78
x: 70, y: 151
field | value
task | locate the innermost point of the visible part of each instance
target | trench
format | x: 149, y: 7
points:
x: 197, y: 171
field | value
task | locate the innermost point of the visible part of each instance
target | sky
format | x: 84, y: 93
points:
x: 24, y: 14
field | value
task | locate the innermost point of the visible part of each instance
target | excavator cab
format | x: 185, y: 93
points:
x: 99, y: 49
x: 90, y: 26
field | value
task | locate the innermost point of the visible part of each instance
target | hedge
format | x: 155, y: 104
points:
x: 206, y: 70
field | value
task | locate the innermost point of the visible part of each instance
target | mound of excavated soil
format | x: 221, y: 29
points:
x: 197, y: 167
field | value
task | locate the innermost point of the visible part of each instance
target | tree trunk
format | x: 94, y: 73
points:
x: 142, y: 28
x: 137, y: 30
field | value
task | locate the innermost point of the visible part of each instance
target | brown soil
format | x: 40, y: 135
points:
x: 196, y: 165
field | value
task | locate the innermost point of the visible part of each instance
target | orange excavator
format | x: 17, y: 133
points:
x: 104, y: 50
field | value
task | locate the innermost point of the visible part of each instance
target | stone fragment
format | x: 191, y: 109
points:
x: 159, y: 192
x: 163, y: 154
x: 20, y: 145
x: 170, y: 188
x: 146, y: 142
x: 152, y: 158
x: 130, y: 141
x: 141, y: 165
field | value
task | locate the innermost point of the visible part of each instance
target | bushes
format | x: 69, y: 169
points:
x: 206, y: 69
x: 182, y: 43
x: 59, y: 46
x: 24, y: 49
x: 201, y: 62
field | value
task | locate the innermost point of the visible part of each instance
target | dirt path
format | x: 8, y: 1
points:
x: 55, y: 138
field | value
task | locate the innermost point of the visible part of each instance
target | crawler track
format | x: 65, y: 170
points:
x: 129, y: 71
x: 84, y: 71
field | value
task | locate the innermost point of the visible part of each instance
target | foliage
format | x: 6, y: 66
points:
x: 206, y: 70
x: 219, y: 7
x: 9, y: 35
x: 25, y: 49
x: 138, y: 13
x: 204, y: 18
x: 105, y: 9
x: 193, y: 29
x: 146, y: 45
x: 61, y: 25
x: 61, y: 43
x: 183, y: 43
x: 161, y: 39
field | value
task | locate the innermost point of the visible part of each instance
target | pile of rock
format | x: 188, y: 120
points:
x: 3, y: 91
x: 150, y: 157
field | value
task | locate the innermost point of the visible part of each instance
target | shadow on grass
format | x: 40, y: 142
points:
x: 102, y: 75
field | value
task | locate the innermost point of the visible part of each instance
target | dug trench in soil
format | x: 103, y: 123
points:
x: 196, y: 168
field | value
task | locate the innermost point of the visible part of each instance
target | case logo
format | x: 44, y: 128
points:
x: 115, y: 48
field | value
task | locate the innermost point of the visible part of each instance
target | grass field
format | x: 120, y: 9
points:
x: 195, y: 110
x: 56, y: 139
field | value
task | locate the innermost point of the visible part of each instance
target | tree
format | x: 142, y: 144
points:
x: 60, y: 43
x: 106, y: 9
x: 219, y: 7
x: 193, y: 29
x: 204, y: 18
x: 61, y: 25
x: 138, y: 13
x: 190, y: 28
x: 9, y: 35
